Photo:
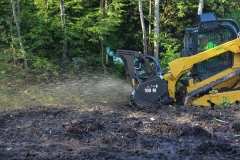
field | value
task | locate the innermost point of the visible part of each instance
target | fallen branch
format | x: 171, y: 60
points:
x: 221, y: 121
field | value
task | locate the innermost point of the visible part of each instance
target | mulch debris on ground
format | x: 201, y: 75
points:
x: 120, y: 132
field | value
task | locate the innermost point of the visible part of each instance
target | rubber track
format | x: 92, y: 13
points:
x: 209, y: 86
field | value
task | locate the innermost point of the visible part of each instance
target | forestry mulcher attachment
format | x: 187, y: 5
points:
x: 203, y: 76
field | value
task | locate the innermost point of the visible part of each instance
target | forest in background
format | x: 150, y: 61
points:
x: 44, y: 36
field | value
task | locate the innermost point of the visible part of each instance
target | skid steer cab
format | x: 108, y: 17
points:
x: 206, y: 74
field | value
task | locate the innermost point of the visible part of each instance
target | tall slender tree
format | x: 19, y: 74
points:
x: 16, y: 19
x: 150, y: 28
x: 200, y: 6
x: 156, y: 29
x: 104, y: 11
x: 143, y: 27
x: 64, y: 48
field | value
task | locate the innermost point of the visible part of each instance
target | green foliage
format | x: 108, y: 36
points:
x: 80, y: 63
x: 177, y: 15
x: 55, y: 73
x: 117, y: 69
x: 43, y: 68
x: 9, y: 72
x: 170, y: 55
x: 226, y: 103
x: 90, y: 27
x: 77, y: 64
x: 214, y: 119
x: 4, y: 66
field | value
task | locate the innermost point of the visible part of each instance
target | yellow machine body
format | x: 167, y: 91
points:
x: 185, y: 64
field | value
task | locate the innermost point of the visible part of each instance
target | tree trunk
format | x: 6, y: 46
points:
x: 18, y: 12
x: 200, y: 7
x: 150, y: 28
x: 106, y: 8
x: 19, y: 33
x: 101, y: 41
x: 156, y: 29
x: 143, y: 27
x: 64, y: 49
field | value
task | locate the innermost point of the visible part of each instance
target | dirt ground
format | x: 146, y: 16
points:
x: 104, y: 126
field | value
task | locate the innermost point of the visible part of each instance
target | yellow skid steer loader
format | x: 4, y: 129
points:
x: 207, y: 72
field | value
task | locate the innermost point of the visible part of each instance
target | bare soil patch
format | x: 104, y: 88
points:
x: 104, y: 126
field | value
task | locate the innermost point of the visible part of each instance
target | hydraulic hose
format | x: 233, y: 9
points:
x: 139, y: 65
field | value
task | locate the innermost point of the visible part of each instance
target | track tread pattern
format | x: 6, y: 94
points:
x: 209, y: 86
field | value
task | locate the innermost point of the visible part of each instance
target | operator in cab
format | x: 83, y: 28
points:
x: 205, y: 44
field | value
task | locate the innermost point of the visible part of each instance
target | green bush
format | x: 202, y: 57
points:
x: 170, y: 55
x: 116, y: 69
x: 43, y: 68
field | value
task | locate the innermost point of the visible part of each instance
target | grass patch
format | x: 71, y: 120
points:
x: 226, y: 103
x: 16, y: 92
